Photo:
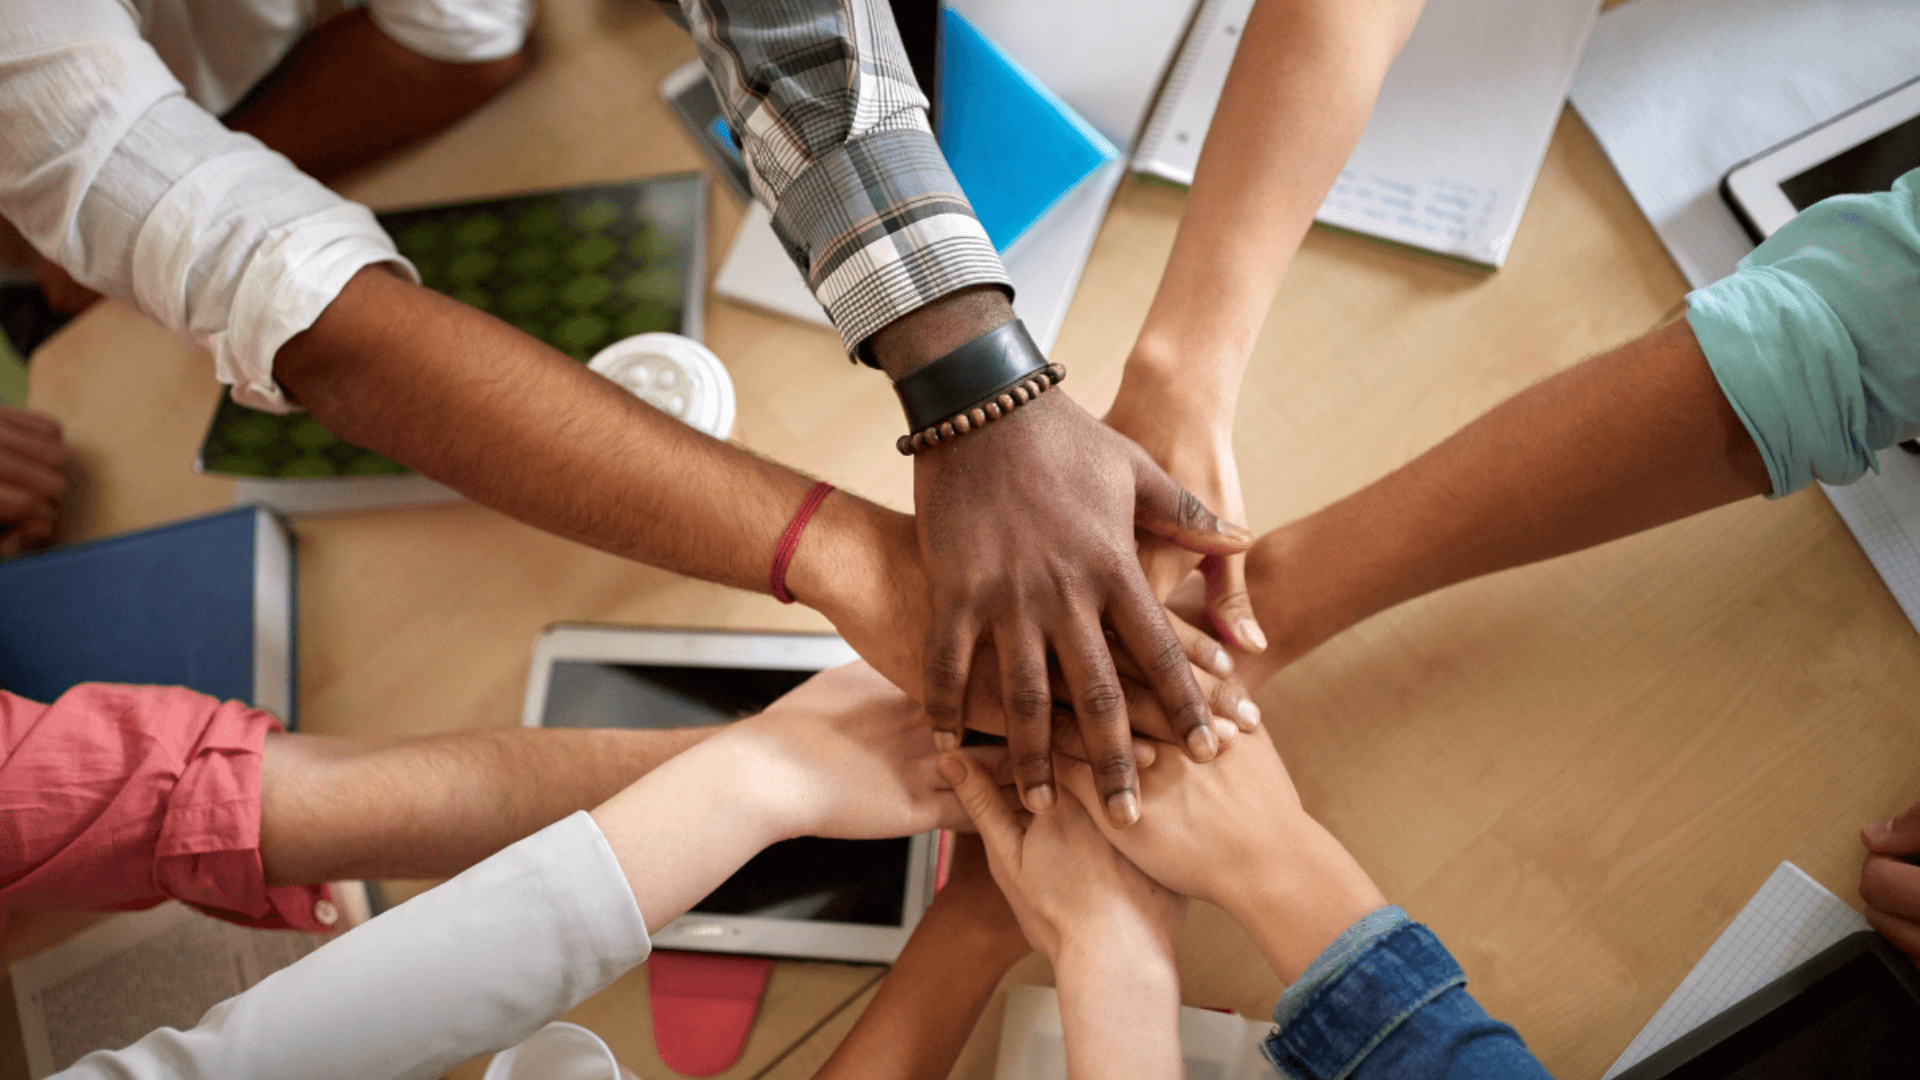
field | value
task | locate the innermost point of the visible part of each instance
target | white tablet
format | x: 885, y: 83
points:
x: 1860, y: 151
x: 854, y: 900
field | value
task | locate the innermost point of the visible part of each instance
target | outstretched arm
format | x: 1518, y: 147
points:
x: 1303, y: 83
x: 481, y: 962
x: 919, y: 1019
x: 1798, y: 367
x: 1621, y: 443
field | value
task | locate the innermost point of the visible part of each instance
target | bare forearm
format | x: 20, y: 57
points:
x: 927, y: 1006
x: 1633, y: 439
x: 336, y: 808
x: 1119, y: 1009
x: 350, y: 95
x: 476, y: 404
x: 1303, y: 82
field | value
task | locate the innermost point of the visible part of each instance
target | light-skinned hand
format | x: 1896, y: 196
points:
x: 1065, y: 882
x: 1233, y: 832
x: 1889, y: 884
x: 1199, y: 456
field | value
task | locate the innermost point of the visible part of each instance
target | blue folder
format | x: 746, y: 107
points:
x: 1015, y: 147
x: 206, y: 604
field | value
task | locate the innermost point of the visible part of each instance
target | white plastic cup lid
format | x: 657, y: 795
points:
x: 559, y: 1051
x: 675, y: 374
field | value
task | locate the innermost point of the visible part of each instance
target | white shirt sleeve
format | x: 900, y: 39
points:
x: 111, y: 172
x: 457, y: 31
x: 471, y: 967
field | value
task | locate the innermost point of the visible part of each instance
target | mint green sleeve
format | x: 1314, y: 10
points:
x: 1815, y: 340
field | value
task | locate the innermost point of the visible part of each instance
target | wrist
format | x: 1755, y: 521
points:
x: 933, y: 330
x: 765, y: 792
x: 1294, y: 911
x: 1116, y: 935
x: 1191, y: 386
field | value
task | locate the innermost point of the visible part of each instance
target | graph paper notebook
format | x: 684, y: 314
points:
x: 1790, y: 920
x: 1457, y: 135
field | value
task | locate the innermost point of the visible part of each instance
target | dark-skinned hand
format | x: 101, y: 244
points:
x: 1028, y: 528
x: 33, y: 462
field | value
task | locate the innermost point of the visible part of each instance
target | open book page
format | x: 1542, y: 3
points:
x: 136, y: 972
x: 1213, y: 1045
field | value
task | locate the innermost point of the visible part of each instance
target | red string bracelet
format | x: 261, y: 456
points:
x: 790, y: 540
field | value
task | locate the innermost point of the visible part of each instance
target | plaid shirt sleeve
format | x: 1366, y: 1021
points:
x: 834, y: 131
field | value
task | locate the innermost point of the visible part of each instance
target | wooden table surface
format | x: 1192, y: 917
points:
x: 1575, y: 772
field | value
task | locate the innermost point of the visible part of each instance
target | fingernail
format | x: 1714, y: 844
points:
x: 1224, y: 731
x: 1144, y: 755
x: 1249, y: 634
x: 945, y: 741
x: 1202, y: 744
x: 1239, y: 534
x: 1040, y: 798
x: 1879, y: 830
x: 1123, y: 808
x: 1222, y: 663
x: 1248, y: 714
x: 953, y: 769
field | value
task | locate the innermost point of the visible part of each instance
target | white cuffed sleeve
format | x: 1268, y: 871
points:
x: 469, y: 968
x: 111, y: 172
x: 456, y: 31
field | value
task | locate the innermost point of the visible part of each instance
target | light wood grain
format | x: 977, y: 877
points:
x: 1576, y: 772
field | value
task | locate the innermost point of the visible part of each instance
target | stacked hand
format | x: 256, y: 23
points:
x: 1889, y: 883
x: 1028, y: 531
x: 33, y: 460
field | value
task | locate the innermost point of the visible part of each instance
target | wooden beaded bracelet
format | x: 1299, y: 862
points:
x: 984, y: 413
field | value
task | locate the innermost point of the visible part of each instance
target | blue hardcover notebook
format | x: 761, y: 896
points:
x: 1015, y: 147
x: 206, y: 604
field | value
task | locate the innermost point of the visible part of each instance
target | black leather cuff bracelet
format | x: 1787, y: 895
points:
x: 974, y: 384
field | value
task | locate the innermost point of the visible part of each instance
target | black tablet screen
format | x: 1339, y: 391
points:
x: 1872, y: 166
x: 1855, y: 1024
x: 841, y: 881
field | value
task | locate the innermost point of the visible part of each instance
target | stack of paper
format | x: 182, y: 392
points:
x: 1456, y: 138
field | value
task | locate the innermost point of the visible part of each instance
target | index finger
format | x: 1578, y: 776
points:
x: 1099, y: 705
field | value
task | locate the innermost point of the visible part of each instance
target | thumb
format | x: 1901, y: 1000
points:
x: 1228, y: 606
x: 980, y: 797
x: 1895, y: 836
x: 1172, y: 513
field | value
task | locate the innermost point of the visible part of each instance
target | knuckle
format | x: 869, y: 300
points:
x: 1103, y: 699
x: 1029, y: 705
x: 946, y: 674
x: 1169, y: 657
x: 1190, y: 510
x: 1114, y: 770
x: 1033, y: 763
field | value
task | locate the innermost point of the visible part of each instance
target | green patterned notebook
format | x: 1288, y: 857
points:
x: 578, y: 268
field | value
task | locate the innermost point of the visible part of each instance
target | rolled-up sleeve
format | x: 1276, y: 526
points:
x: 1816, y: 338
x: 834, y: 132
x: 112, y: 173
x: 456, y: 31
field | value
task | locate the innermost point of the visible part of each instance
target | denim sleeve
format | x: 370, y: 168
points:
x: 1816, y: 338
x: 1393, y: 1006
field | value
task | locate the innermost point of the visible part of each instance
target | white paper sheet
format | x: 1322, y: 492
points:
x: 1788, y: 922
x: 1680, y: 91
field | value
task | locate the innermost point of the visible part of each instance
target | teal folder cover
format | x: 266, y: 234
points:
x: 206, y: 604
x: 1015, y: 147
